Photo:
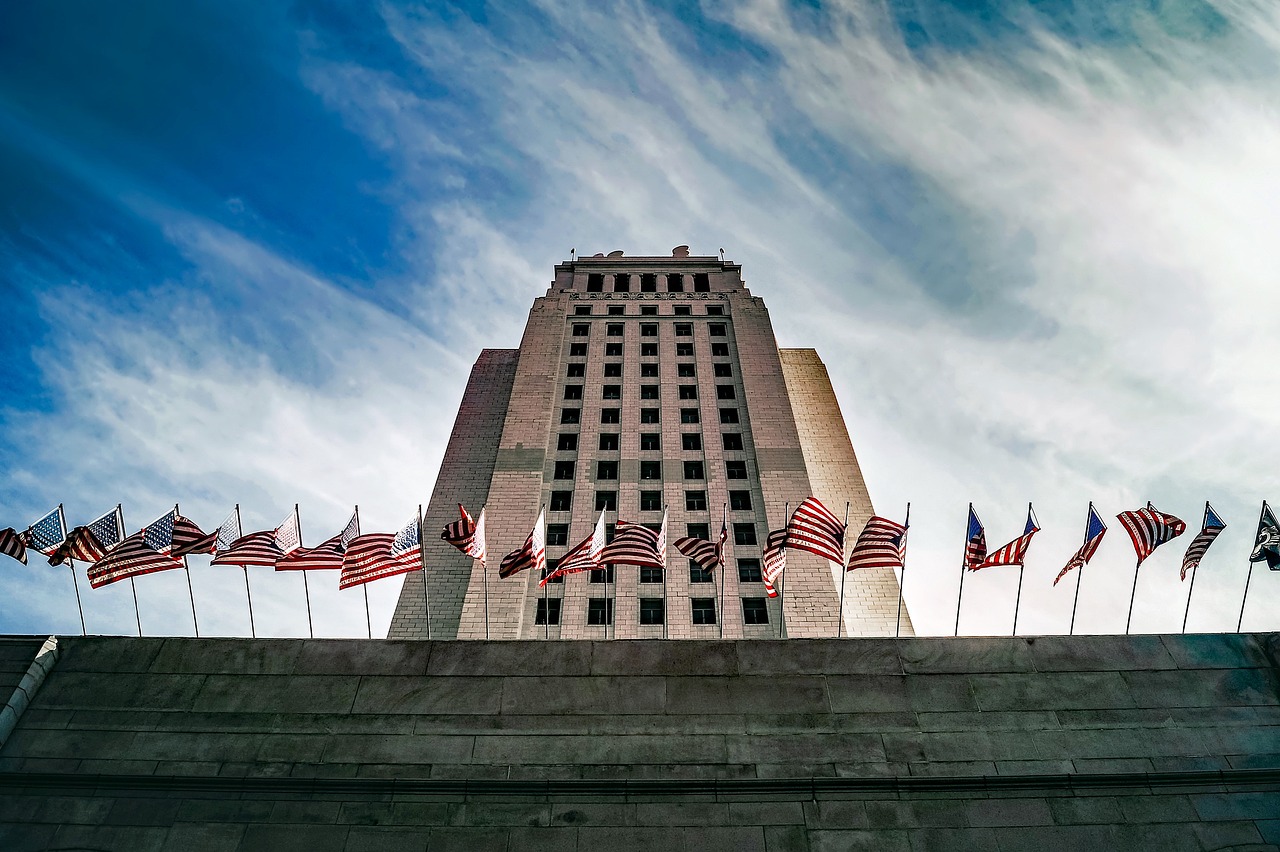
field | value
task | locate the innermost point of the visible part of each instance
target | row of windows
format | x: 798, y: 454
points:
x: 648, y: 350
x: 614, y: 370
x: 647, y: 310
x: 574, y: 392
x: 651, y: 501
x: 651, y: 470
x: 649, y: 329
x: 568, y: 441
x: 748, y: 572
x: 648, y: 282
x: 653, y: 611
x: 572, y: 416
x: 744, y: 534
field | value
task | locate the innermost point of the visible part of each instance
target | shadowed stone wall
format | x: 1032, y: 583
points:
x: 1168, y: 742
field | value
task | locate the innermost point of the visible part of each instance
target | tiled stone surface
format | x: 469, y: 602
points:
x: 608, y: 711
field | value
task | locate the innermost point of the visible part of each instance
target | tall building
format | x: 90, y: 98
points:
x: 644, y: 383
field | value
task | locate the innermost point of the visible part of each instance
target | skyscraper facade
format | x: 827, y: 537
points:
x: 644, y: 385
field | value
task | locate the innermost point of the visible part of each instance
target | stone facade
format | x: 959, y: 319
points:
x: 643, y: 382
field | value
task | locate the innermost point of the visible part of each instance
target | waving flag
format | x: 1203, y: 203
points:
x: 814, y: 529
x: 584, y: 556
x: 532, y: 554
x: 467, y: 534
x: 775, y: 555
x: 215, y: 542
x: 1209, y: 529
x: 158, y: 535
x: 92, y: 541
x: 328, y: 555
x: 633, y: 544
x: 1015, y: 552
x: 881, y: 544
x: 263, y: 548
x: 1094, y: 530
x: 1267, y: 545
x: 975, y: 544
x: 131, y: 558
x: 47, y: 533
x: 704, y: 552
x: 1148, y: 529
x: 661, y: 543
x: 378, y: 555
x: 12, y: 545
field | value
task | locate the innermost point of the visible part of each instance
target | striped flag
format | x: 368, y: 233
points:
x: 1149, y: 528
x: 131, y: 558
x: 92, y: 541
x: 584, y: 556
x: 775, y: 555
x: 532, y: 554
x: 633, y: 544
x: 185, y: 536
x: 1015, y: 552
x: 814, y: 529
x: 378, y: 555
x: 1209, y: 529
x: 975, y: 542
x: 1267, y: 544
x: 881, y: 544
x: 12, y: 545
x: 263, y: 548
x: 661, y: 544
x: 1094, y: 530
x: 467, y: 534
x: 47, y: 533
x: 158, y: 535
x: 326, y: 556
x: 704, y: 552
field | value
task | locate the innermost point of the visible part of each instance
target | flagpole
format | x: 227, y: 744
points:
x: 724, y: 525
x: 1132, y: 594
x: 306, y: 588
x: 1262, y: 513
x: 964, y: 564
x: 138, y: 615
x: 186, y: 568
x: 364, y: 586
x: 71, y: 563
x: 248, y: 595
x: 484, y: 574
x: 426, y: 593
x: 782, y: 587
x: 1079, y: 571
x: 843, y: 573
x: 1017, y: 601
x: 666, y: 615
x: 906, y: 525
x: 1194, y: 570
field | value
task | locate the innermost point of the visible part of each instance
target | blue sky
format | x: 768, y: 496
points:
x: 249, y: 251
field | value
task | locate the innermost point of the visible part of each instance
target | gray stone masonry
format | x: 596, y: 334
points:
x: 1064, y: 743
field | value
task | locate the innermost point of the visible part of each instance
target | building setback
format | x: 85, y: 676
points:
x: 643, y: 383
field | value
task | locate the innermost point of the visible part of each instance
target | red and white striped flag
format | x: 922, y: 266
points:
x: 704, y: 552
x: 1094, y: 530
x: 532, y: 554
x: 13, y: 545
x: 467, y: 534
x: 775, y: 554
x: 1209, y: 530
x: 326, y: 556
x: 92, y: 541
x: 1149, y: 528
x: 133, y: 557
x: 583, y: 556
x: 881, y: 544
x: 633, y: 544
x: 379, y: 555
x: 263, y: 548
x: 813, y: 528
x: 1015, y: 552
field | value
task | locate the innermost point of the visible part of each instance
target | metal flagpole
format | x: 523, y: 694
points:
x: 782, y: 586
x: 724, y: 525
x: 484, y: 573
x: 190, y: 592
x: 1018, y: 600
x: 1080, y: 571
x: 964, y: 564
x: 1195, y: 570
x: 665, y: 613
x: 364, y: 586
x: 546, y: 607
x: 306, y: 587
x: 1132, y: 594
x: 1262, y: 513
x: 71, y: 563
x: 138, y: 615
x: 426, y: 593
x: 248, y: 595
x: 906, y: 524
x: 843, y: 572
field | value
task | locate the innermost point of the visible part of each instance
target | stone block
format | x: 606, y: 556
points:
x: 964, y: 655
x: 366, y: 839
x: 429, y: 695
x: 396, y: 750
x: 519, y: 658
x: 600, y: 750
x: 836, y: 840
x: 295, y: 838
x: 525, y: 839
x: 819, y: 657
x: 106, y: 653
x: 1217, y: 651
x: 227, y: 656
x: 205, y: 837
x: 1009, y: 812
x: 468, y: 840
x: 356, y: 657
x: 1052, y: 691
x: 122, y: 691
x: 487, y: 813
x: 868, y: 693
x: 786, y: 838
x: 1203, y: 688
x: 277, y: 694
x: 806, y: 748
x: 664, y: 658
x: 560, y: 696
x: 703, y: 839
x: 783, y: 694
x: 1099, y: 653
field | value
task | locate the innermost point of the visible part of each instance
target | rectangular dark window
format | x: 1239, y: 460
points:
x: 715, y: 310
x: 690, y: 441
x: 704, y: 610
x: 564, y: 470
x: 726, y: 392
x: 567, y: 442
x: 688, y: 391
x: 684, y: 350
x: 701, y: 283
x: 617, y: 310
x: 570, y: 415
x: 686, y: 371
x: 723, y: 371
x: 651, y: 610
x: 606, y: 501
x: 608, y: 440
x: 622, y: 283
x: 648, y: 310
x: 561, y: 501
x: 749, y: 571
x: 744, y: 534
x: 648, y: 283
x: 595, y: 282
x: 698, y: 574
x: 648, y: 371
x: 648, y: 391
x: 649, y: 415
x: 613, y: 370
x: 683, y: 311
x: 728, y: 415
x: 608, y: 533
x: 599, y: 611
x: 613, y: 329
x: 612, y: 392
x: 651, y: 470
x: 576, y: 371
x: 740, y: 501
x: 698, y: 531
x: 577, y: 350
x: 557, y: 535
x: 675, y: 282
x: 582, y: 311
x: 716, y: 329
x: 573, y: 391
x: 649, y: 574
x: 581, y: 329
x: 695, y: 501
x: 548, y: 611
x: 613, y: 350
x: 648, y: 329
x: 650, y: 501
x: 648, y: 350
x: 600, y: 576
x: 735, y: 469
x: 732, y: 440
x: 688, y: 415
x: 683, y: 329
x: 754, y: 611
x: 719, y: 350
x: 611, y: 415
x: 606, y: 470
x: 650, y: 441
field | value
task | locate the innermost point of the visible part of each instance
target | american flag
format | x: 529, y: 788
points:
x: 289, y: 533
x: 369, y: 558
x: 584, y: 556
x: 1209, y: 529
x: 704, y: 552
x: 1015, y: 552
x: 407, y: 545
x: 661, y: 544
x: 1149, y: 528
x: 633, y: 544
x: 47, y: 533
x: 814, y: 529
x: 158, y: 535
x: 1094, y: 530
x: 975, y: 543
x: 12, y: 545
x: 881, y: 544
x: 1267, y: 544
x: 215, y: 542
x: 131, y: 558
x: 532, y: 554
x: 261, y: 548
x: 467, y: 534
x: 775, y: 554
x: 327, y: 556
x: 81, y: 544
x: 769, y: 587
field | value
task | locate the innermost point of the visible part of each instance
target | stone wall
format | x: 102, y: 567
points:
x: 1166, y: 742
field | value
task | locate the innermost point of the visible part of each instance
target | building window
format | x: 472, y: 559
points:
x: 683, y: 311
x: 608, y: 440
x: 649, y: 329
x: 724, y: 371
x: 688, y: 415
x: 754, y: 611
x: 650, y: 574
x: 557, y: 535
x: 577, y: 350
x: 613, y: 329
x: 740, y: 501
x: 719, y: 350
x: 693, y: 470
x: 728, y: 415
x: 744, y: 534
x: 749, y: 571
x: 564, y: 470
x: 609, y: 530
x: 648, y: 350
x: 613, y: 370
x: 698, y: 574
x: 599, y: 611
x: 715, y: 310
x: 648, y: 391
x: 704, y: 610
x: 611, y: 415
x: 648, y: 310
x: 606, y: 501
x: 548, y: 611
x: 650, y: 441
x: 650, y: 501
x: 690, y: 441
x: 613, y: 350
x: 600, y: 576
x: 701, y: 283
x: 581, y: 329
x: 648, y: 371
x: 651, y: 470
x: 561, y: 501
x: 732, y: 440
x: 675, y: 283
x: 651, y: 610
x: 648, y: 283
x: 695, y: 501
x: 688, y: 391
x: 702, y: 531
x: 622, y: 283
x: 648, y: 415
x: 684, y: 350
x: 606, y: 470
x: 567, y: 442
x: 726, y: 392
x: 570, y: 415
x: 573, y: 391
x: 617, y: 310
x: 716, y: 329
x: 550, y: 570
x: 735, y: 469
x: 576, y: 371
x: 595, y: 282
x: 582, y: 311
x: 612, y: 392
x: 683, y: 329
x: 686, y: 371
